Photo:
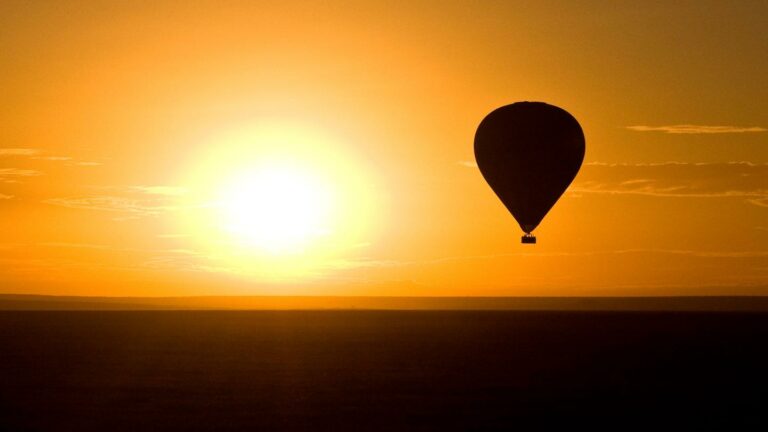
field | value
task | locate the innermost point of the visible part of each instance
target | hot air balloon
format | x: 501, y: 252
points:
x: 529, y: 152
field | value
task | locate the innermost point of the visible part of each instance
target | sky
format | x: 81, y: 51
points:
x: 148, y: 147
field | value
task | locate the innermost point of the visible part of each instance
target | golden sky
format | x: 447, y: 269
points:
x: 134, y: 137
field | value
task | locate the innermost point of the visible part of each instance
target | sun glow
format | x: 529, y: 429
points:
x: 277, y: 201
x: 279, y: 209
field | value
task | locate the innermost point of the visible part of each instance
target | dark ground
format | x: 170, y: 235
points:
x: 368, y: 370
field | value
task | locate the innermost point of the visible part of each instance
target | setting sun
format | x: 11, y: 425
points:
x: 276, y: 200
x: 279, y: 209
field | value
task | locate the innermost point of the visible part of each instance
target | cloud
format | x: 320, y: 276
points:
x: 5, y: 197
x: 104, y: 257
x: 130, y: 205
x: 76, y: 245
x: 677, y: 179
x: 364, y: 263
x: 468, y: 163
x: 762, y: 202
x: 18, y: 172
x: 740, y: 179
x: 161, y: 190
x: 38, y: 154
x: 54, y: 158
x: 697, y: 129
x: 18, y: 151
x: 172, y: 236
x: 132, y: 201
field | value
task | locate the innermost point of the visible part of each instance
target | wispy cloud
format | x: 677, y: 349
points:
x: 5, y: 197
x: 677, y: 179
x: 38, y: 154
x: 697, y: 129
x: 161, y: 190
x: 172, y: 236
x: 77, y: 246
x: 179, y: 260
x: 54, y: 158
x: 468, y: 163
x: 19, y: 151
x: 18, y: 172
x: 132, y: 201
x: 347, y: 264
x: 762, y: 202
x: 134, y: 206
x: 106, y: 257
x: 739, y: 179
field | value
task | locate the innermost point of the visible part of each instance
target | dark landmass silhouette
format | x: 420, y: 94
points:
x: 702, y: 303
x: 382, y: 370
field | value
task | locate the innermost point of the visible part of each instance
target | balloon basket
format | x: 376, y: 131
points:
x: 528, y: 239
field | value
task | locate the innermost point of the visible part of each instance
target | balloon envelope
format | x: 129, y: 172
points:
x: 529, y: 152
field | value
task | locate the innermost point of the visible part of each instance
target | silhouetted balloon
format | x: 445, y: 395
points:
x: 529, y: 152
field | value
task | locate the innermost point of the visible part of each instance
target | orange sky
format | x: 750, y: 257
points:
x: 121, y: 120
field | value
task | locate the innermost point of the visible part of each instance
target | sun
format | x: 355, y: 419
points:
x: 278, y: 202
x: 276, y: 207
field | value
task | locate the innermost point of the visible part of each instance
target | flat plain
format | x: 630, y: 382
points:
x: 381, y: 370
